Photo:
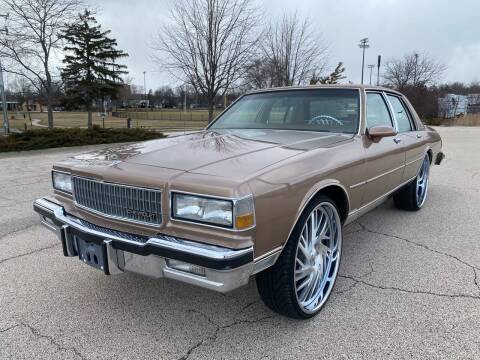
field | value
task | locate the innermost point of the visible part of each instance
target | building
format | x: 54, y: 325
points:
x: 473, y: 104
x: 11, y: 106
x: 452, y: 105
x: 31, y: 105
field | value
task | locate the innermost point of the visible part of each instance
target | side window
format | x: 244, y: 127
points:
x: 401, y: 114
x: 377, y: 111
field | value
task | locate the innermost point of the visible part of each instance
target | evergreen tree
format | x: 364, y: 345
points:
x: 333, y: 78
x: 91, y: 70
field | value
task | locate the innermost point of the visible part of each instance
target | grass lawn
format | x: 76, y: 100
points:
x: 163, y: 120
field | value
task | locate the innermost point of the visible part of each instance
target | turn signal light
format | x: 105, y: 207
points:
x: 244, y: 221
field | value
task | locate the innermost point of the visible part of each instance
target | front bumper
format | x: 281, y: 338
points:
x: 224, y: 269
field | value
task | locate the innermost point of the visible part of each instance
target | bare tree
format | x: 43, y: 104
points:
x: 259, y: 74
x: 208, y: 44
x: 294, y: 51
x: 28, y: 49
x: 412, y: 70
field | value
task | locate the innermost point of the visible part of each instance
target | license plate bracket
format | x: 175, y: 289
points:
x: 92, y: 254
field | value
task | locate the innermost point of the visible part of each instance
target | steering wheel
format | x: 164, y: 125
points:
x: 324, y: 120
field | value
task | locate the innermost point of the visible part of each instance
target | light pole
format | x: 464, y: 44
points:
x: 363, y: 45
x: 371, y: 66
x: 145, y: 85
x: 379, y: 60
x: 6, y: 124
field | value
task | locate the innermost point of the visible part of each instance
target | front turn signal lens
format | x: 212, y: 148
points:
x: 244, y: 221
x: 244, y: 213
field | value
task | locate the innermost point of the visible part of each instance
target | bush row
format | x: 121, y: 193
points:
x: 44, y: 138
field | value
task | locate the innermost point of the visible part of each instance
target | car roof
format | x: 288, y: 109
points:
x: 325, y: 86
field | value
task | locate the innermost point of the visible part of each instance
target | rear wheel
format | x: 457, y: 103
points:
x: 300, y: 282
x: 414, y: 194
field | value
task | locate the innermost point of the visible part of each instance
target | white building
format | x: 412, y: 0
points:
x: 452, y: 105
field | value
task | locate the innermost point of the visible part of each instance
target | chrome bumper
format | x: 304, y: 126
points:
x: 223, y: 269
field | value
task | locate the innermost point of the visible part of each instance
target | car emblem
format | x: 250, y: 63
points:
x: 140, y: 213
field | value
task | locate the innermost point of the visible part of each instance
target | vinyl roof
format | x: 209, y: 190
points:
x: 325, y: 86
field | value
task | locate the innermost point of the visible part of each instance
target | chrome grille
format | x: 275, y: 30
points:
x: 119, y: 201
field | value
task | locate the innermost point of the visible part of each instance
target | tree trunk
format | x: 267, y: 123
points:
x: 49, y: 108
x: 90, y: 118
x: 48, y: 90
x: 50, y: 115
x: 211, y: 106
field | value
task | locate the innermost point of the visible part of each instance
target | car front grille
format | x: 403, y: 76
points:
x: 123, y: 202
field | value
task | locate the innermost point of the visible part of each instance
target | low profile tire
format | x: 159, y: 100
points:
x: 300, y: 282
x: 413, y: 195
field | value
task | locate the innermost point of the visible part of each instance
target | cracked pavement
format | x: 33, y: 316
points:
x: 408, y: 285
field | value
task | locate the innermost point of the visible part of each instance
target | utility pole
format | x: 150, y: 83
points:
x: 145, y: 85
x: 378, y: 69
x: 363, y: 45
x: 371, y: 66
x: 184, y: 106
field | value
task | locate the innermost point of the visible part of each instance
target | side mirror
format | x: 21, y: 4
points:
x: 381, y: 131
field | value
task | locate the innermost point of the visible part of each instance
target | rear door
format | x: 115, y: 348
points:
x: 385, y: 158
x: 412, y: 139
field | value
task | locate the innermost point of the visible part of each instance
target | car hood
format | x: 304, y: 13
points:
x: 229, y: 153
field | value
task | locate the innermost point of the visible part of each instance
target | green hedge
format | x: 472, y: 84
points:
x: 44, y: 138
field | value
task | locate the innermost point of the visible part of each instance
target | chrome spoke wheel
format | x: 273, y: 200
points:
x: 317, y: 257
x: 422, y: 182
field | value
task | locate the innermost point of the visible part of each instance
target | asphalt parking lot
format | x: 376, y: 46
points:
x: 409, y: 285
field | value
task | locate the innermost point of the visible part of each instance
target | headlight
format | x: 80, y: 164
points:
x: 237, y: 214
x: 62, y: 181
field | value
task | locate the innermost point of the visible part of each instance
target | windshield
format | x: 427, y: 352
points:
x: 326, y: 110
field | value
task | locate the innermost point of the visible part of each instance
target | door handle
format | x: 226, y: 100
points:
x: 419, y: 136
x: 397, y: 140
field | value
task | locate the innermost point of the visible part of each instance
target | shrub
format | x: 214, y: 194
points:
x: 44, y: 138
x: 434, y: 121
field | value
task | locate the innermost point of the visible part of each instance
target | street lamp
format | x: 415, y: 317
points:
x: 371, y: 66
x: 415, y: 69
x: 363, y: 45
x: 6, y: 124
x: 379, y: 60
x: 145, y: 84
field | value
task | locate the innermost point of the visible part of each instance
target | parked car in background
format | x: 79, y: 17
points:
x: 265, y: 190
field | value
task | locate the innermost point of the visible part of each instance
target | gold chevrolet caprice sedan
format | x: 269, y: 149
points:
x: 264, y: 190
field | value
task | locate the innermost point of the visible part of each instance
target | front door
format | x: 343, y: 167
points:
x: 385, y: 157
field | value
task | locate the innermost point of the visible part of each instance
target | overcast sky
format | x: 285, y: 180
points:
x: 446, y: 30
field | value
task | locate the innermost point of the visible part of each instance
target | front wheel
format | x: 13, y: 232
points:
x: 413, y: 195
x: 300, y: 282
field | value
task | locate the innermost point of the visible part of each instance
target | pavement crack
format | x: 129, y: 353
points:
x: 355, y: 283
x: 9, y: 328
x: 52, y: 341
x: 16, y: 231
x: 351, y: 287
x: 28, y: 253
x: 473, y: 267
x: 475, y: 279
x: 213, y: 337
x: 246, y: 306
x: 408, y: 291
